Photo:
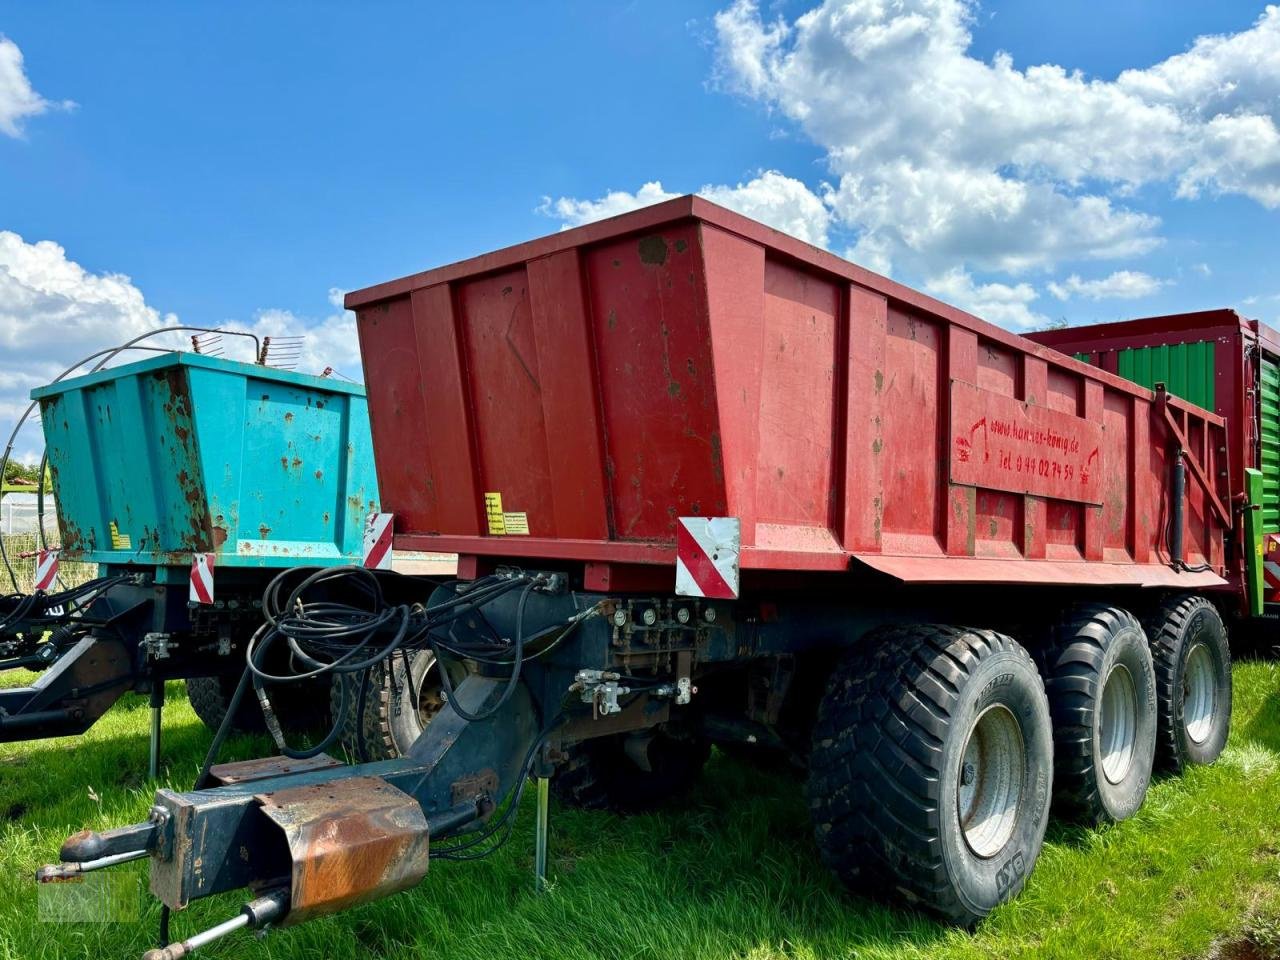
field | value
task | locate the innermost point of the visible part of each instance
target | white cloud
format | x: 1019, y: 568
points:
x: 999, y: 303
x: 1203, y: 269
x: 943, y: 158
x: 54, y: 312
x: 576, y: 212
x: 780, y: 201
x: 18, y: 100
x: 1121, y: 285
x: 328, y: 343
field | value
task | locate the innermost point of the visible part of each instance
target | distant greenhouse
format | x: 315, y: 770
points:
x: 19, y: 512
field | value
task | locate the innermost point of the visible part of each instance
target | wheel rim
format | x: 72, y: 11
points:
x: 1198, y: 696
x: 1117, y: 724
x: 989, y: 787
x: 430, y: 695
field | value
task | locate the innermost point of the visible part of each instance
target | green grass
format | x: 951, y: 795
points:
x: 733, y: 873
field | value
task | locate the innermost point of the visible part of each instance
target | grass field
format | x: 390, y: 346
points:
x: 733, y: 873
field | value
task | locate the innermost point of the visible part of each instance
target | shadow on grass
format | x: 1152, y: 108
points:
x: 1264, y: 728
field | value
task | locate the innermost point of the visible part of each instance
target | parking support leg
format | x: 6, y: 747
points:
x: 540, y: 836
x: 157, y: 705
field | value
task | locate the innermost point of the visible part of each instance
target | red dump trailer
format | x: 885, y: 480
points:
x: 595, y: 402
x: 712, y: 486
x: 685, y: 361
x: 1231, y: 365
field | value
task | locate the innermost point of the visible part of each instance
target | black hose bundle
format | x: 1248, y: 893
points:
x: 48, y: 609
x: 325, y: 636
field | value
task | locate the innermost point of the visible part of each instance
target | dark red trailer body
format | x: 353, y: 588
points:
x: 1219, y: 360
x: 683, y: 360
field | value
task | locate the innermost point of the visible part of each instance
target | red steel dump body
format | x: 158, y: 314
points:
x: 1224, y: 362
x: 683, y: 360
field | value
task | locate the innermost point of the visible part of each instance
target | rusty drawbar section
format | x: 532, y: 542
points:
x: 350, y: 841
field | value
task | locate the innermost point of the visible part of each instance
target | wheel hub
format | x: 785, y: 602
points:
x: 990, y: 783
x: 1198, y: 694
x: 1117, y: 724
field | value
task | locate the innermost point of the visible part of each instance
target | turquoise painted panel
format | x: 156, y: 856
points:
x: 181, y: 453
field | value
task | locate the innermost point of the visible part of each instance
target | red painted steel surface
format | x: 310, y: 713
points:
x: 683, y: 360
x: 1233, y: 334
x: 1235, y: 338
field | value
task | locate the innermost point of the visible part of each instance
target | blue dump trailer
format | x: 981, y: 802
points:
x: 191, y: 481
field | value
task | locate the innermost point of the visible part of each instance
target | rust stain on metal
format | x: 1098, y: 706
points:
x: 481, y: 784
x: 351, y: 841
x: 653, y: 251
x: 264, y: 531
x: 243, y: 771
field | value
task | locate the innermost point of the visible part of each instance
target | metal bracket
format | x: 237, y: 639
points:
x: 158, y: 645
x: 350, y: 841
x: 1192, y: 461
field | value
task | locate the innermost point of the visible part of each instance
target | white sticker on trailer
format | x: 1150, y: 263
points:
x: 46, y: 570
x: 377, y: 541
x: 201, y: 578
x: 708, y: 553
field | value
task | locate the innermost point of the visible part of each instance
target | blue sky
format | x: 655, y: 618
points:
x: 240, y: 162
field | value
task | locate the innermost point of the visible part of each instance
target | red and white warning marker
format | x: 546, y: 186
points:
x: 201, y: 578
x: 46, y: 570
x: 707, y: 551
x: 377, y: 541
x: 1271, y: 569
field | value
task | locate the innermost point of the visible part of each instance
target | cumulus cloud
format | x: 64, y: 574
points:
x: 18, y: 100
x: 54, y: 312
x: 942, y: 158
x: 329, y: 343
x: 574, y: 212
x: 1000, y: 303
x: 1121, y: 285
x: 780, y: 201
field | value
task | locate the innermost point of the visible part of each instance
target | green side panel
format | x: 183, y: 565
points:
x: 1253, y: 557
x: 1084, y: 357
x: 1186, y: 369
x: 1269, y: 429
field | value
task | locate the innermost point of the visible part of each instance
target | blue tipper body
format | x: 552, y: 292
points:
x: 183, y: 453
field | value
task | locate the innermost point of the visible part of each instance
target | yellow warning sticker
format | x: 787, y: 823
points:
x: 119, y: 541
x: 502, y: 524
x: 493, y: 514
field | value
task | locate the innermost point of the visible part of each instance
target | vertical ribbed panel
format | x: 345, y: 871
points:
x: 1186, y: 369
x: 1269, y: 432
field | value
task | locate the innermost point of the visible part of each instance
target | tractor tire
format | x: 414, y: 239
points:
x: 1193, y: 681
x: 300, y: 706
x: 210, y: 696
x: 932, y: 769
x: 602, y: 774
x: 1101, y: 684
x: 386, y: 724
